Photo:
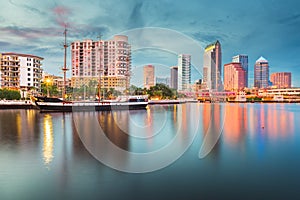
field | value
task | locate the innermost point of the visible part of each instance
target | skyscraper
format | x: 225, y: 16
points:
x: 184, y: 72
x: 234, y: 76
x: 162, y: 80
x: 282, y: 79
x: 149, y: 76
x: 212, y: 66
x: 174, y: 77
x: 243, y: 59
x: 261, y: 73
x: 108, y: 60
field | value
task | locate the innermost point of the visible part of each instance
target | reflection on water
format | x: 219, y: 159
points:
x: 213, y: 124
x: 48, y: 139
x: 271, y: 121
x: 257, y: 150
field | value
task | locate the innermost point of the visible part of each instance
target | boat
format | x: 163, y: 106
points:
x: 15, y: 104
x: 59, y: 105
x: 62, y: 105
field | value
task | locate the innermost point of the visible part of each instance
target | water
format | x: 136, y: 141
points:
x: 50, y: 155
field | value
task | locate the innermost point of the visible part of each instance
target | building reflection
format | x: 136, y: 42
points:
x: 48, y: 139
x: 20, y: 126
x: 280, y: 123
x: 212, y: 127
x: 115, y: 127
x: 257, y: 121
x: 236, y: 123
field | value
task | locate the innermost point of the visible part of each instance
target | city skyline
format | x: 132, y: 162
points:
x: 42, y: 34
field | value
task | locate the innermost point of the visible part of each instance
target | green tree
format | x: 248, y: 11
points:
x: 53, y: 90
x: 10, y: 94
x: 162, y: 91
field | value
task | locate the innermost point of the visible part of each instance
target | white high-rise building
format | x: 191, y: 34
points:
x: 21, y: 71
x: 184, y: 72
x: 108, y: 60
x: 243, y: 59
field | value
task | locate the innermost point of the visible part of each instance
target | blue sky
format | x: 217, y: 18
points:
x: 268, y: 28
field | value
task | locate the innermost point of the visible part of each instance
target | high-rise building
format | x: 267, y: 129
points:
x: 261, y: 73
x: 174, y: 77
x: 282, y: 79
x: 184, y: 72
x: 212, y: 66
x: 149, y: 76
x: 234, y: 77
x: 163, y: 80
x: 243, y: 59
x: 108, y: 61
x: 20, y: 71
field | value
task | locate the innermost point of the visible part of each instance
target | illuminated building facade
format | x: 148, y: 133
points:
x: 243, y: 59
x: 212, y: 67
x: 234, y: 77
x: 281, y: 79
x: 108, y: 61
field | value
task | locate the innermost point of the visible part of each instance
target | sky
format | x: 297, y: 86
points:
x: 158, y: 30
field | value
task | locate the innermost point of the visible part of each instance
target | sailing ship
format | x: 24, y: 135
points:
x: 62, y: 105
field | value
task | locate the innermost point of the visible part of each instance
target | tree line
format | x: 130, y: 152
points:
x: 7, y: 94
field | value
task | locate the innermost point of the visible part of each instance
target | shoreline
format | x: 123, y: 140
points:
x: 25, y: 105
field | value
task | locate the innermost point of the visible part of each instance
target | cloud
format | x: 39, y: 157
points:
x: 32, y: 9
x: 62, y: 14
x: 136, y: 17
x: 253, y: 27
x: 290, y: 20
x: 28, y: 33
x: 4, y: 45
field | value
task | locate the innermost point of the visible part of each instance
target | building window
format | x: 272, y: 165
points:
x: 28, y: 79
x: 28, y: 74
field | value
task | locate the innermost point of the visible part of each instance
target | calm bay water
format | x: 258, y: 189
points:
x: 47, y: 155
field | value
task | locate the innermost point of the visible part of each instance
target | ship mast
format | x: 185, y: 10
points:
x: 65, y: 69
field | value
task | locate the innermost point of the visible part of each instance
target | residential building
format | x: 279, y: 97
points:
x: 212, y: 67
x: 281, y: 79
x: 243, y: 59
x: 261, y: 73
x: 104, y: 61
x: 184, y: 72
x: 21, y: 71
x: 234, y: 77
x: 174, y: 77
x: 149, y: 71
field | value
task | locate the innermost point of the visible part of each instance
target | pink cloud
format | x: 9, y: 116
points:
x: 62, y: 14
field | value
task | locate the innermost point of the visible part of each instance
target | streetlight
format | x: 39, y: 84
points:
x: 48, y: 81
